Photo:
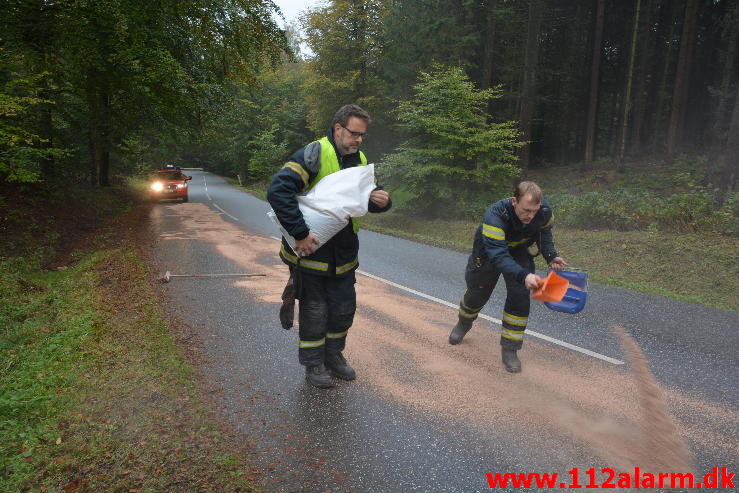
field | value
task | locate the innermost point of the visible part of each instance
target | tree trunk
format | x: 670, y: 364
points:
x: 719, y: 130
x: 643, y: 77
x: 92, y: 148
x: 594, y: 77
x: 569, y: 113
x: 99, y: 123
x: 47, y: 132
x: 615, y: 124
x: 93, y: 130
x: 659, y: 112
x: 105, y: 126
x: 528, y: 91
x: 729, y: 59
x: 730, y: 159
x: 680, y: 93
x: 629, y: 81
x: 486, y: 79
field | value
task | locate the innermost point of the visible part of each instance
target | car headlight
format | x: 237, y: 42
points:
x: 157, y: 186
x: 182, y: 185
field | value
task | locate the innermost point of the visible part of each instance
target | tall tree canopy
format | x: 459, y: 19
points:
x: 114, y: 83
x: 127, y: 75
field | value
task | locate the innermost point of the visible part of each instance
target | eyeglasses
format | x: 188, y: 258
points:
x: 356, y: 135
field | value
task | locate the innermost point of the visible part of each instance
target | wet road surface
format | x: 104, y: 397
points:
x: 423, y: 415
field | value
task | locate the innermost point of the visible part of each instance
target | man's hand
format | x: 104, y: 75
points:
x: 307, y: 245
x: 380, y: 198
x: 557, y: 263
x: 532, y: 281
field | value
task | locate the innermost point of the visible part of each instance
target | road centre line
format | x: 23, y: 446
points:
x: 206, y: 189
x: 533, y: 333
x: 226, y: 213
x: 498, y: 321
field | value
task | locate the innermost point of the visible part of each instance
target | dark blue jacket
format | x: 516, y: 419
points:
x: 341, y: 251
x: 502, y: 234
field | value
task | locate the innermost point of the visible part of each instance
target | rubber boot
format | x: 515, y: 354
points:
x: 318, y: 376
x: 460, y: 330
x: 510, y: 360
x: 336, y: 364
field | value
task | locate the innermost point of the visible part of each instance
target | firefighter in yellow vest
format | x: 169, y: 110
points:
x: 322, y: 279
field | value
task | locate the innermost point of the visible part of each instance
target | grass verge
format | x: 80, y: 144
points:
x: 686, y: 267
x: 95, y: 394
x: 692, y: 267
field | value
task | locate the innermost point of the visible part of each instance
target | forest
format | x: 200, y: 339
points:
x: 466, y: 96
x: 626, y: 112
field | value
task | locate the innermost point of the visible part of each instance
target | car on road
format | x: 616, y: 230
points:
x: 169, y: 183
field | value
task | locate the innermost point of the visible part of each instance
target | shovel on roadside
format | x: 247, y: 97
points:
x: 167, y: 275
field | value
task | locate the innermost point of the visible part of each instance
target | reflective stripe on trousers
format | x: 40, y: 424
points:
x: 326, y: 312
x: 481, y: 277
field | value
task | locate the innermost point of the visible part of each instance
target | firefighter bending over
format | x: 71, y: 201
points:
x: 501, y: 246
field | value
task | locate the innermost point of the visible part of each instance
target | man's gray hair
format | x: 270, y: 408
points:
x: 347, y: 111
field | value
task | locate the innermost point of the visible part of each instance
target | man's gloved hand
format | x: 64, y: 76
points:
x: 287, y: 310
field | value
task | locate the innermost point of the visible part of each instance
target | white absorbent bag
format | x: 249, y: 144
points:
x: 333, y: 201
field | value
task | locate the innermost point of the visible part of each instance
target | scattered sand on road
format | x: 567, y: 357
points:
x: 661, y: 447
x: 401, y: 341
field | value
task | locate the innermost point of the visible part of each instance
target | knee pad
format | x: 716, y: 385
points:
x: 342, y: 316
x: 313, y: 317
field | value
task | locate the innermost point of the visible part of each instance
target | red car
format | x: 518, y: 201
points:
x: 169, y: 183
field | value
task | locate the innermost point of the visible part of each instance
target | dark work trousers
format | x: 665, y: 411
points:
x: 326, y: 311
x: 481, y: 276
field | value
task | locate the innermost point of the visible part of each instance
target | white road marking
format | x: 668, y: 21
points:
x: 206, y: 190
x: 497, y: 321
x: 226, y: 213
x: 533, y: 333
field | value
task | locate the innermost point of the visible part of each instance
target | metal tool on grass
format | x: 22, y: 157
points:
x: 167, y: 275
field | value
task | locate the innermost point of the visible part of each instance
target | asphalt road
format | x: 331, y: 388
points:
x: 423, y: 415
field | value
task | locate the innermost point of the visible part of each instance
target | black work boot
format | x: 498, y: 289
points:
x: 336, y: 364
x: 318, y: 376
x: 510, y: 360
x: 459, y: 331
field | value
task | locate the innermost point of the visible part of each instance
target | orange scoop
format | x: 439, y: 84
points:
x: 552, y: 288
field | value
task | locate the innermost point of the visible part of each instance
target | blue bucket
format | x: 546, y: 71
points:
x: 577, y: 294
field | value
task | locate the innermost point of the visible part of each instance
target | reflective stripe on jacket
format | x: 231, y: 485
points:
x: 305, y: 168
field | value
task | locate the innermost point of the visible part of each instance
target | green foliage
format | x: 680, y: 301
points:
x: 593, y: 210
x: 453, y: 159
x: 346, y: 39
x: 133, y: 81
x: 21, y: 148
x: 648, y: 196
x: 263, y: 150
x: 625, y: 210
x: 259, y: 126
